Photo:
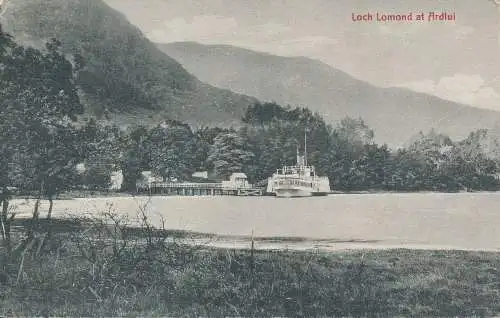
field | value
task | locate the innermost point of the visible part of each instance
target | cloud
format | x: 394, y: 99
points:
x: 467, y: 89
x: 215, y: 29
x: 269, y: 29
x: 309, y: 45
x: 462, y: 32
x: 401, y: 29
x: 311, y: 40
x: 199, y: 28
x: 406, y: 30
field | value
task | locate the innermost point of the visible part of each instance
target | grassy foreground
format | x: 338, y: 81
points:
x: 88, y: 268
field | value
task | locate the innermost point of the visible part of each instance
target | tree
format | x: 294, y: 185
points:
x: 355, y: 132
x: 38, y: 104
x: 172, y: 149
x: 348, y: 155
x: 6, y: 147
x: 261, y: 114
x: 272, y: 147
x: 372, y: 167
x: 229, y: 154
x: 205, y: 137
x: 101, y: 149
x: 471, y: 164
x: 133, y: 157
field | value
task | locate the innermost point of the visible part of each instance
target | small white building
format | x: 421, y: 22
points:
x: 147, y: 176
x: 237, y: 180
x: 80, y: 168
x: 200, y: 174
x: 116, y: 180
x: 146, y: 179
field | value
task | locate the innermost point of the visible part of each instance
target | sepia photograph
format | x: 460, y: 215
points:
x: 249, y: 158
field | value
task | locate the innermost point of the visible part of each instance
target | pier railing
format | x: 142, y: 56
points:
x: 186, y: 185
x: 192, y: 188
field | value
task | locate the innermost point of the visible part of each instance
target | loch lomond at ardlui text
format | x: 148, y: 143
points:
x: 421, y: 16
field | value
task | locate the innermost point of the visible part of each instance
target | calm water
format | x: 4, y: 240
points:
x: 425, y: 219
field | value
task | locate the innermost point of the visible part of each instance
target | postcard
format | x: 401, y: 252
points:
x: 249, y: 158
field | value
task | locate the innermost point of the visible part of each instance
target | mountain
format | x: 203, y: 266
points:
x: 395, y: 114
x: 126, y: 77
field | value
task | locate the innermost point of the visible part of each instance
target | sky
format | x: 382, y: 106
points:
x: 457, y: 60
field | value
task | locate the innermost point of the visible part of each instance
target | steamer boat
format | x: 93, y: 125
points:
x: 299, y: 180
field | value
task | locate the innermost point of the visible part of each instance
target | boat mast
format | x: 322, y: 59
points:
x: 305, y: 146
x: 298, y: 155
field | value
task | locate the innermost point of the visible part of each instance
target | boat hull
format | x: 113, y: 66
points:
x: 320, y: 194
x: 293, y: 192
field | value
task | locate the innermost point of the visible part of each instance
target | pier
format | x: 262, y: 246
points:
x: 194, y: 189
x: 237, y: 185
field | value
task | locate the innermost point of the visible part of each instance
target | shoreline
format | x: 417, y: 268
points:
x: 267, y: 243
x: 118, y: 194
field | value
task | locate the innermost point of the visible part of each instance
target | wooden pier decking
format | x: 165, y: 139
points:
x: 197, y: 189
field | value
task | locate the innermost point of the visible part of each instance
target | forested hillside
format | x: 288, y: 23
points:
x: 124, y: 75
x: 395, y: 114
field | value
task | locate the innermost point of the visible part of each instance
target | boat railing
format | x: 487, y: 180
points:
x: 287, y: 170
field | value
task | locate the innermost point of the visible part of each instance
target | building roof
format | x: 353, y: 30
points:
x: 238, y: 175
